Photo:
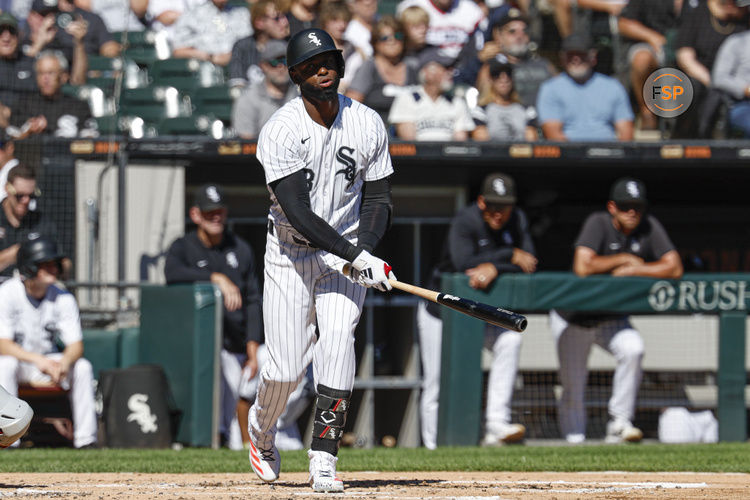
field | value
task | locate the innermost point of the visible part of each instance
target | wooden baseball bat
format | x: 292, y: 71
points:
x: 494, y: 315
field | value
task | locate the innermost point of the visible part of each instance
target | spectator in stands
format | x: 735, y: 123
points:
x: 208, y: 31
x: 359, y: 30
x: 213, y: 253
x: 334, y: 18
x: 302, y: 15
x: 165, y: 13
x: 42, y: 36
x: 647, y: 24
x: 7, y: 162
x: 731, y: 74
x: 429, y: 113
x: 268, y: 23
x: 581, y: 104
x: 564, y: 13
x: 415, y: 21
x: 510, y: 43
x: 261, y: 99
x: 19, y: 217
x: 40, y: 335
x: 61, y: 17
x: 501, y: 116
x: 486, y: 239
x: 703, y: 28
x: 623, y: 241
x: 50, y: 111
x: 16, y: 68
x: 452, y: 22
x: 118, y: 15
x: 380, y: 79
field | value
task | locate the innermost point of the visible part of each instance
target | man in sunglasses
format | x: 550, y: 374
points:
x: 16, y: 68
x: 19, y: 218
x: 486, y: 239
x: 623, y: 241
x: 261, y: 99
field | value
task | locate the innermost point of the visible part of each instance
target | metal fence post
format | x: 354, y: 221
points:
x: 731, y: 377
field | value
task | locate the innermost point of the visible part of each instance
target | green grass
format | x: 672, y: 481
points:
x: 723, y: 457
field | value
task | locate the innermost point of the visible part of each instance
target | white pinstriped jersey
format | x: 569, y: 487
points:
x: 336, y: 161
x: 38, y: 326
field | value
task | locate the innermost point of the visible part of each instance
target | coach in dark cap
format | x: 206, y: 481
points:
x: 212, y: 253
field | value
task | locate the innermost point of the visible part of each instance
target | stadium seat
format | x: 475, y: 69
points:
x: 185, y: 125
x: 103, y: 72
x: 186, y: 74
x: 144, y: 47
x: 153, y: 104
x: 95, y: 96
x: 216, y: 101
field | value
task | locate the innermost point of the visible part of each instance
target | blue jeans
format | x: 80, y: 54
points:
x: 739, y: 117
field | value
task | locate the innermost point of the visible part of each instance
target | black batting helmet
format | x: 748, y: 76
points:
x: 309, y: 43
x: 34, y: 252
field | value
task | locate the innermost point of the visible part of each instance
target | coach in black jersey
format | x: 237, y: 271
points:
x: 486, y: 239
x: 213, y: 253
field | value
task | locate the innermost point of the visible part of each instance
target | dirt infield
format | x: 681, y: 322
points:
x: 376, y: 485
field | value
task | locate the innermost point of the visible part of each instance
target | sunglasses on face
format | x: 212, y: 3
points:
x: 498, y: 207
x: 21, y: 196
x: 276, y: 62
x: 627, y: 207
x: 513, y: 31
x: 395, y: 36
x: 10, y: 29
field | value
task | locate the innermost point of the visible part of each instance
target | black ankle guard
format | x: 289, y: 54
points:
x: 331, y: 406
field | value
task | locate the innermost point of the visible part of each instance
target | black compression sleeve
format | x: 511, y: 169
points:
x: 375, y: 213
x: 294, y: 197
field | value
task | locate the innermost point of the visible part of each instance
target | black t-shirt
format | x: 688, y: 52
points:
x: 96, y: 35
x: 471, y: 242
x: 17, y: 75
x: 33, y: 225
x: 66, y: 116
x: 703, y: 32
x: 189, y: 261
x: 245, y: 55
x: 658, y: 15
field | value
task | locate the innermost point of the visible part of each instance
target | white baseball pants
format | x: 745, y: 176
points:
x: 506, y: 349
x: 310, y: 311
x: 574, y: 343
x: 79, y: 383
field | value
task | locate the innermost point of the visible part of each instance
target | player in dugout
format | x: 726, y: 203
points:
x: 486, y: 239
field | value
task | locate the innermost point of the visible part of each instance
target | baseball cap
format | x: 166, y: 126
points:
x: 513, y: 14
x: 434, y: 54
x: 742, y: 3
x: 44, y: 6
x: 499, y: 188
x: 577, y: 42
x: 496, y: 67
x: 210, y: 197
x: 274, y: 49
x: 7, y: 19
x: 628, y: 190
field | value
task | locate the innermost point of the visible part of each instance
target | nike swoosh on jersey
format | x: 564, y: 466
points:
x: 305, y: 140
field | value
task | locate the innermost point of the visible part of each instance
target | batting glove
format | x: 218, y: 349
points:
x: 372, y: 271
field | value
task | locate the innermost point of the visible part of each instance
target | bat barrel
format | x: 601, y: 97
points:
x: 494, y: 315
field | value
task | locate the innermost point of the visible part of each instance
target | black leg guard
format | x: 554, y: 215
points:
x: 331, y: 406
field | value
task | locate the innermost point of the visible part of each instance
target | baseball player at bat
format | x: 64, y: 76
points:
x: 486, y: 239
x: 327, y: 168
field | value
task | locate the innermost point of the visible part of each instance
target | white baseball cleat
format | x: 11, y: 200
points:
x: 620, y: 431
x: 15, y: 418
x: 507, y: 433
x: 323, y: 472
x: 266, y: 463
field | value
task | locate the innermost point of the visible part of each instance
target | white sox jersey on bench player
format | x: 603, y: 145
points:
x: 310, y: 309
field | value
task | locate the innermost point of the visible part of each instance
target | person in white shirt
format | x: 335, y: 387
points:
x: 429, y: 113
x: 40, y: 335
